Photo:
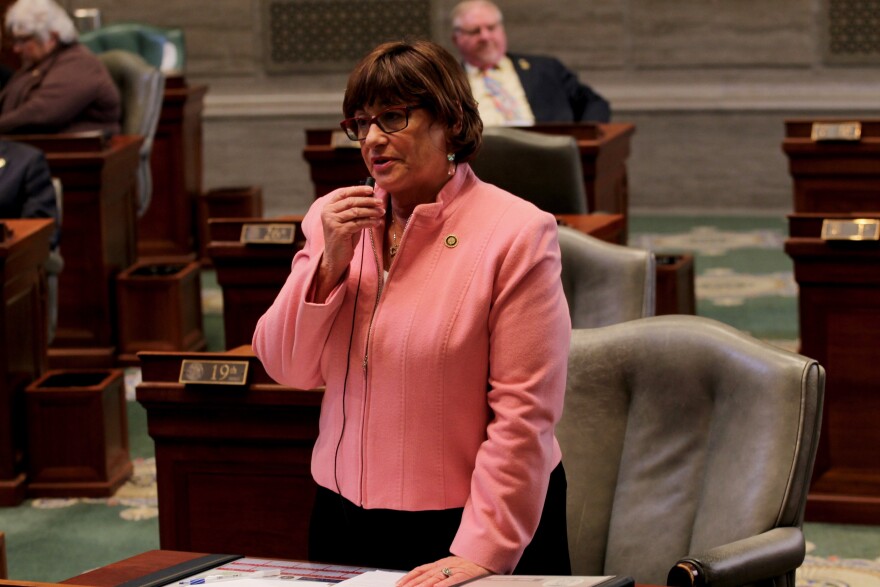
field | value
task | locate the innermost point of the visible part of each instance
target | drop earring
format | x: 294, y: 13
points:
x: 451, y: 158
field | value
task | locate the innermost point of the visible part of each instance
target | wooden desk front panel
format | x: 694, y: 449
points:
x: 839, y: 319
x: 168, y: 227
x: 23, y: 352
x: 233, y: 463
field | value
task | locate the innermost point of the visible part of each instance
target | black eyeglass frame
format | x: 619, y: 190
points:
x: 370, y: 120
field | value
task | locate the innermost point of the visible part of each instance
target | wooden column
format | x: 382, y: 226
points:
x: 168, y: 228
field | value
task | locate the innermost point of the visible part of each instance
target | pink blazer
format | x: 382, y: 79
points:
x: 456, y: 372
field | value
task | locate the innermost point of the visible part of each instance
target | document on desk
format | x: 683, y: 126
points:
x: 389, y: 579
x: 254, y: 572
x: 550, y: 581
x: 374, y: 579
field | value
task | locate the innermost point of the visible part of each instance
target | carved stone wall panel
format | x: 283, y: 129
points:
x: 851, y: 32
x: 332, y: 35
x: 719, y: 33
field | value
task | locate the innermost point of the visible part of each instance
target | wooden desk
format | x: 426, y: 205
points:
x: 604, y: 150
x: 252, y: 275
x: 244, y: 451
x: 98, y: 239
x: 168, y: 227
x: 833, y: 176
x: 23, y: 356
x: 839, y: 318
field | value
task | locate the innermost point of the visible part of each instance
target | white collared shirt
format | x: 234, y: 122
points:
x: 506, y: 76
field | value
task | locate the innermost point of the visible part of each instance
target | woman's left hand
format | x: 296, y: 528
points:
x: 451, y: 570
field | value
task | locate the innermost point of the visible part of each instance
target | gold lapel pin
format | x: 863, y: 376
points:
x: 2, y: 162
x: 524, y: 64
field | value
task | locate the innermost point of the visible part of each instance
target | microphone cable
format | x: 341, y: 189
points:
x: 371, y: 183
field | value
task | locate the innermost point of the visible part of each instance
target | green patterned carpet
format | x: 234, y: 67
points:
x: 743, y: 278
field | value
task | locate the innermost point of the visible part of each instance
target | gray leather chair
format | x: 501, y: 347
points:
x: 543, y: 169
x: 605, y: 283
x: 688, y: 447
x: 141, y: 87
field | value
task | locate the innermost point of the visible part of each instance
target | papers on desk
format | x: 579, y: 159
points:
x: 550, y: 581
x: 253, y: 572
x: 389, y: 579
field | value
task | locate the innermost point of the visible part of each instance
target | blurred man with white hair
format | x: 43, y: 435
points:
x: 514, y: 89
x: 61, y: 86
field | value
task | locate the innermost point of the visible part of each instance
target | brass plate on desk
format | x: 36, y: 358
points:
x: 268, y: 234
x: 836, y: 131
x: 212, y: 372
x: 855, y: 229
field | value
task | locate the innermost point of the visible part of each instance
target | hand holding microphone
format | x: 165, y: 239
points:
x: 348, y: 211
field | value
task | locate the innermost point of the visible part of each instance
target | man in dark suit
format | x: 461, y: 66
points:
x: 514, y: 89
x: 26, y: 189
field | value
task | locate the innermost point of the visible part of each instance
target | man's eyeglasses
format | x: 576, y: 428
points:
x: 490, y: 28
x: 390, y: 120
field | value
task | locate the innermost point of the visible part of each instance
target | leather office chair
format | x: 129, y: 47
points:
x: 163, y: 48
x: 605, y: 283
x: 688, y: 447
x: 141, y: 87
x: 543, y: 169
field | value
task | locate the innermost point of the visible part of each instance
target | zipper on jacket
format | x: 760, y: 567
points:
x: 376, y: 303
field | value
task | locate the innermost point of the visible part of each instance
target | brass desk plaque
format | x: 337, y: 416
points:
x: 855, y: 229
x: 213, y: 372
x: 268, y: 234
x: 836, y: 131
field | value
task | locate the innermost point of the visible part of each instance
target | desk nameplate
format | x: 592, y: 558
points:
x: 268, y: 234
x: 213, y: 372
x: 836, y: 131
x: 850, y: 229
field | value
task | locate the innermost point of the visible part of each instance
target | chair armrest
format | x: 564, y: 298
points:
x: 771, y: 554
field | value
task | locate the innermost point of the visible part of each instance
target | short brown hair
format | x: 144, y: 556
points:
x: 422, y: 73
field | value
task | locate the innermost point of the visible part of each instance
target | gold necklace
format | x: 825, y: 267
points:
x: 395, y: 246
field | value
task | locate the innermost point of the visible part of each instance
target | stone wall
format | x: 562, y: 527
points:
x: 708, y: 84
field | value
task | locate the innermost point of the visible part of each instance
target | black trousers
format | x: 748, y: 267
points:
x: 343, y: 533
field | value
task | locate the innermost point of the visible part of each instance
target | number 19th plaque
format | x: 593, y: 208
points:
x: 212, y: 372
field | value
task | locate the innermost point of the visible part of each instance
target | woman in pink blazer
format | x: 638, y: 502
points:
x: 431, y: 309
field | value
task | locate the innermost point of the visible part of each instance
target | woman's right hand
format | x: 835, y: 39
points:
x: 348, y: 211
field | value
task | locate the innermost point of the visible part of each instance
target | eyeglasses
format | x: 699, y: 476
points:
x: 490, y: 28
x: 21, y: 39
x: 389, y: 121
